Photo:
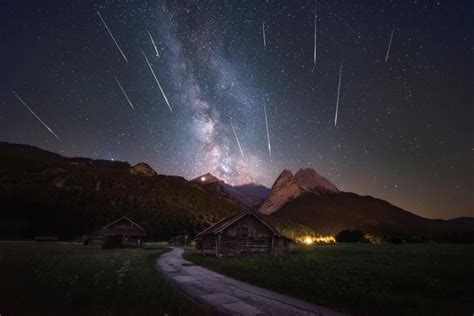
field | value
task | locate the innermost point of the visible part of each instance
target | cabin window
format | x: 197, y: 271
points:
x: 242, y: 231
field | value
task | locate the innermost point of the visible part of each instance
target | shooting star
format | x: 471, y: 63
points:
x: 268, y: 133
x: 263, y: 33
x: 389, y: 44
x: 315, y: 35
x: 238, y: 141
x: 111, y: 35
x: 338, y: 92
x: 124, y: 93
x: 154, y: 45
x: 156, y: 79
x: 32, y: 112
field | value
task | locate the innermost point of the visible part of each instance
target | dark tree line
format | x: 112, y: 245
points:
x: 348, y: 235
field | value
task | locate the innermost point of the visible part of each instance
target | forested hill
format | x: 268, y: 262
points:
x: 44, y: 193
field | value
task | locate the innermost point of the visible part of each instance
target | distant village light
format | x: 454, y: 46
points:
x: 319, y: 239
x: 325, y: 239
x: 308, y: 240
x: 203, y: 179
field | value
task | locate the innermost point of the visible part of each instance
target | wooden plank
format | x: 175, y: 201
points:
x: 273, y: 244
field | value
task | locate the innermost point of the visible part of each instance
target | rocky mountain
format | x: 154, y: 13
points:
x: 309, y: 199
x: 43, y: 193
x: 311, y: 181
x: 284, y: 189
x: 248, y: 195
x: 288, y: 187
x: 143, y: 169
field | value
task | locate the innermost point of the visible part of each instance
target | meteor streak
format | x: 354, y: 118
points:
x: 32, y: 112
x: 154, y: 45
x: 238, y: 142
x: 268, y: 133
x: 111, y: 35
x: 389, y: 44
x: 263, y: 33
x: 124, y: 93
x: 156, y: 79
x: 338, y: 91
x: 315, y: 36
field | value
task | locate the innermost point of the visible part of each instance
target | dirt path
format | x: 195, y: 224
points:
x: 227, y: 296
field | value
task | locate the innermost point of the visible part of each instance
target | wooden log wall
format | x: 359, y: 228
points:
x: 242, y: 244
x: 209, y: 244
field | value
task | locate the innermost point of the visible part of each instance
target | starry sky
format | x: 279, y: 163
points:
x: 404, y: 128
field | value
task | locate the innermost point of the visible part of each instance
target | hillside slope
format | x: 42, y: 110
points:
x: 45, y: 193
x: 331, y: 213
x: 249, y: 195
x: 309, y: 199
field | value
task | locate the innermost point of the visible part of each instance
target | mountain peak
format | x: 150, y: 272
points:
x: 285, y: 174
x: 206, y: 178
x: 284, y: 189
x: 310, y: 180
x: 143, y: 169
x: 288, y: 187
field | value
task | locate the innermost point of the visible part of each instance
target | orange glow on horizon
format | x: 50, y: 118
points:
x: 319, y: 239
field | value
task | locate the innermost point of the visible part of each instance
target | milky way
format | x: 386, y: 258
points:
x: 403, y: 133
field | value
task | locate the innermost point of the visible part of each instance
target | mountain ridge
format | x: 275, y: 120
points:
x: 250, y: 195
x: 44, y: 192
x: 288, y: 187
x: 316, y: 203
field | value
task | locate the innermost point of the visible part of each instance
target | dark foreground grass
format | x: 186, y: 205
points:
x: 58, y: 279
x: 364, y: 279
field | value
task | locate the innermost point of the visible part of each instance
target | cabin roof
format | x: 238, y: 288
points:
x: 124, y: 218
x: 109, y: 229
x: 228, y: 221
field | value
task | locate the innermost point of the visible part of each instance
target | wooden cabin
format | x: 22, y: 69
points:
x: 246, y: 232
x: 121, y: 233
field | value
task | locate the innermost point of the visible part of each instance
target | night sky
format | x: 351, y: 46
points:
x: 404, y: 129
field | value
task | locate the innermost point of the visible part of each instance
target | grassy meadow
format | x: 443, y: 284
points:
x: 69, y: 279
x: 364, y: 279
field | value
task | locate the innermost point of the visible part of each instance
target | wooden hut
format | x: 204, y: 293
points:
x: 246, y: 232
x: 121, y: 233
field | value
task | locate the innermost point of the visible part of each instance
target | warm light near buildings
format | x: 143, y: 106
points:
x: 203, y: 179
x: 325, y: 239
x: 309, y: 240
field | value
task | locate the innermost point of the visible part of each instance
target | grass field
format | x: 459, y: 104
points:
x: 68, y: 279
x: 364, y: 279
